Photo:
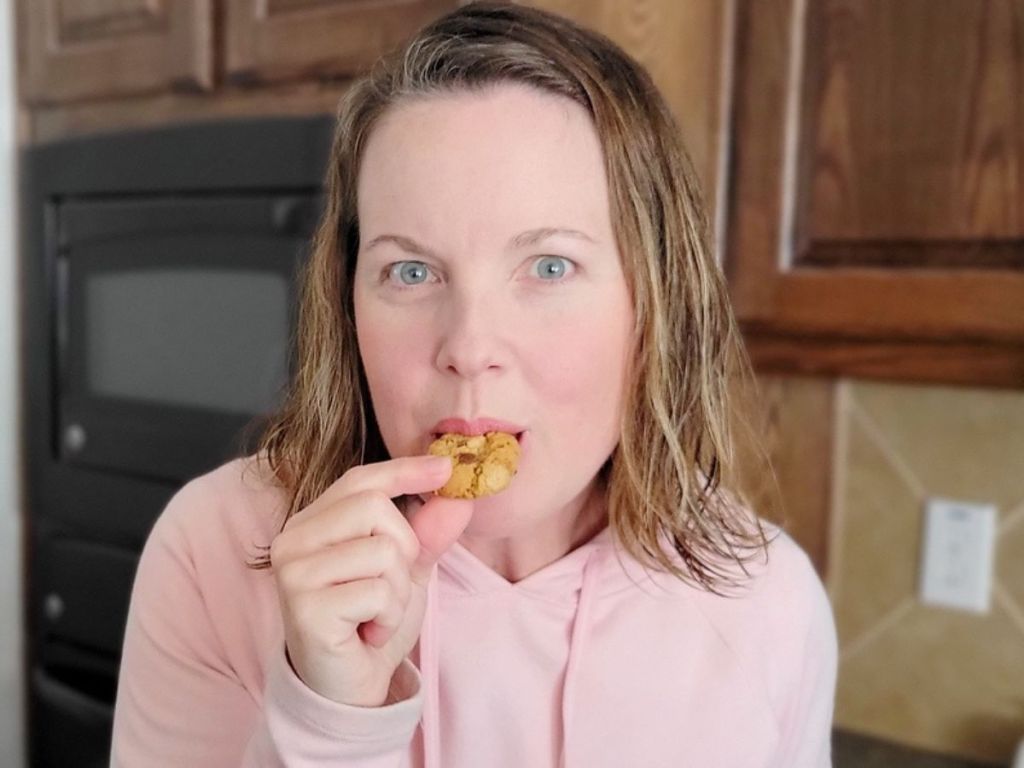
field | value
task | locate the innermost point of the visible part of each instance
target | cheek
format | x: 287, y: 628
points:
x: 580, y: 394
x: 583, y: 363
x: 389, y: 351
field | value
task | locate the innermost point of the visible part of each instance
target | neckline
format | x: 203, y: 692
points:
x: 552, y: 580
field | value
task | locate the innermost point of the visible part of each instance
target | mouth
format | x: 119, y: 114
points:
x: 517, y: 435
x: 480, y: 425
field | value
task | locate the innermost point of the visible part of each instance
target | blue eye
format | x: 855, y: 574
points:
x: 552, y: 268
x: 409, y: 272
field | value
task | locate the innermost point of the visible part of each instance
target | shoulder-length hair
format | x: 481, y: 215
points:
x: 664, y: 477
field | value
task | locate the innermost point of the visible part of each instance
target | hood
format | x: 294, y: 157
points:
x: 592, y: 571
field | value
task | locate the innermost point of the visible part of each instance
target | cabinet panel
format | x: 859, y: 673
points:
x: 876, y: 203
x: 913, y: 133
x: 82, y: 49
x: 274, y: 40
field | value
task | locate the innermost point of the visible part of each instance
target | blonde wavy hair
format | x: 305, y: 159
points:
x: 664, y: 480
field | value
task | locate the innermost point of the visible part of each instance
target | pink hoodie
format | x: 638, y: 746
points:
x: 591, y: 661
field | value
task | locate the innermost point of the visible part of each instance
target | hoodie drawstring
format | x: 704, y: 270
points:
x: 430, y: 721
x: 429, y: 653
x: 577, y: 641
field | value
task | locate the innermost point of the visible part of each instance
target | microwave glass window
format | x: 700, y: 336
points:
x: 200, y: 338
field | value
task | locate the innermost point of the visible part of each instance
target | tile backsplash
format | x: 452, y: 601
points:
x: 931, y: 677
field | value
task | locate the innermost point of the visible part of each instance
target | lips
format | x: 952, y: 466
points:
x: 477, y: 426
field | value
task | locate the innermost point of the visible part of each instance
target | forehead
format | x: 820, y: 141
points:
x: 508, y: 156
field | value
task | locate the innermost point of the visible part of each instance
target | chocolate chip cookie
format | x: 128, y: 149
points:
x: 481, y: 464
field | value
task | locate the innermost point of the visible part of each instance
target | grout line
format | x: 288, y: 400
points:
x: 1008, y: 604
x: 1013, y: 518
x: 891, y: 454
x: 869, y: 635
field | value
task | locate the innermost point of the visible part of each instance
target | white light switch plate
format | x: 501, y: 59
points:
x: 958, y: 554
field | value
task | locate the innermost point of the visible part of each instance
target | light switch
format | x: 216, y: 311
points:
x: 958, y: 554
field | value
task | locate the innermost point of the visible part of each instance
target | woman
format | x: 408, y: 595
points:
x: 513, y: 242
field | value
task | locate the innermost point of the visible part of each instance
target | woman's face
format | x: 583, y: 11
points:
x: 469, y: 305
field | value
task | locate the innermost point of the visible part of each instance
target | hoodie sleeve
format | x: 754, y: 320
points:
x: 301, y: 728
x: 180, y: 701
x: 807, y: 715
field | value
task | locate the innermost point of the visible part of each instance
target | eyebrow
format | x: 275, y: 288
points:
x: 522, y: 240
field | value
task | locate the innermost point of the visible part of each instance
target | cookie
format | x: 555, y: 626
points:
x: 481, y: 464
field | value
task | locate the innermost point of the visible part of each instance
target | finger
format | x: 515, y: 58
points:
x: 367, y: 558
x: 375, y: 635
x: 378, y: 633
x: 357, y: 602
x: 388, y: 480
x: 383, y: 626
x: 437, y: 523
x: 359, y: 516
x: 395, y: 477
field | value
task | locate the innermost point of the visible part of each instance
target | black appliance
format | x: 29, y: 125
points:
x: 159, y: 293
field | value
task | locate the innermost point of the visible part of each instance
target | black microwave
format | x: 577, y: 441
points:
x: 173, y: 317
x: 166, y: 263
x: 159, y: 276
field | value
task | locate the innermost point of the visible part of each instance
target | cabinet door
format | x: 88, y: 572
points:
x: 273, y: 40
x: 81, y: 49
x: 876, y: 213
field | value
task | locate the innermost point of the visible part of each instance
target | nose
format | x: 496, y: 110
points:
x: 471, y: 337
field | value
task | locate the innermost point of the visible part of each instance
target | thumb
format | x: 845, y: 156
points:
x: 437, y: 523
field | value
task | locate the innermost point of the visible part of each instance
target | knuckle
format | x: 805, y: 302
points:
x: 387, y: 548
x: 380, y: 592
x: 404, y: 591
x: 278, y: 551
x: 304, y: 614
x: 354, y: 501
x: 287, y: 577
x: 356, y: 471
x: 414, y: 550
x: 355, y: 476
x: 406, y: 546
x: 368, y: 506
x: 319, y: 637
x: 371, y: 498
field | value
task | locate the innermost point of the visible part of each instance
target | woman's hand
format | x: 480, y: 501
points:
x: 352, y: 575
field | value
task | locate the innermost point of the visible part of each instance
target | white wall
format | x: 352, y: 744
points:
x: 12, y: 718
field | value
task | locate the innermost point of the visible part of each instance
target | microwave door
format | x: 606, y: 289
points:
x: 170, y: 346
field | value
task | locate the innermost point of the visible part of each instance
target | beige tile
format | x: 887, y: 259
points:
x: 878, y: 538
x: 942, y: 680
x: 962, y: 443
x: 1009, y: 569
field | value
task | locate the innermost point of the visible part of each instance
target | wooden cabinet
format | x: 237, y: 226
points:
x: 876, y: 198
x: 81, y: 49
x: 272, y: 40
x: 96, y: 50
x: 864, y: 159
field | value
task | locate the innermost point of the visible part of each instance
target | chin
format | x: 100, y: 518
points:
x: 501, y: 514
